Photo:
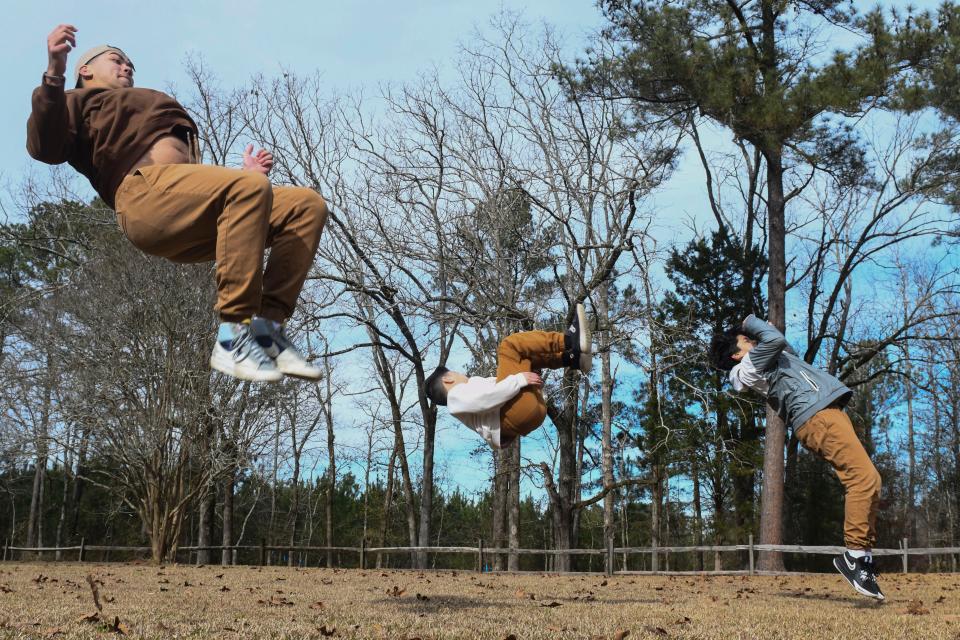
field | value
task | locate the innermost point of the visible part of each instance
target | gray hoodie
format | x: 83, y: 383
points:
x: 795, y: 389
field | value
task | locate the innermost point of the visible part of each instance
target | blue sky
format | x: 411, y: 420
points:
x: 355, y: 45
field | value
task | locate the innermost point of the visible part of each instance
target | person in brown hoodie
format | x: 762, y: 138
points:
x: 139, y: 150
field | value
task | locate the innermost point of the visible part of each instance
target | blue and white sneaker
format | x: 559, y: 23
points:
x: 236, y: 353
x: 272, y: 337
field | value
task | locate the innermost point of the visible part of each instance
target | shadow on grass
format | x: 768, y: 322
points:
x: 452, y: 602
x: 858, y: 602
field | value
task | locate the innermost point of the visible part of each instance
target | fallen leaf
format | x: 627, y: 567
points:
x: 119, y: 627
x: 659, y: 631
x: 224, y: 588
x: 509, y: 636
x: 324, y: 631
x: 552, y: 603
x: 5, y: 588
x: 620, y: 634
x: 915, y: 607
x: 92, y: 618
x: 422, y: 597
x: 396, y: 592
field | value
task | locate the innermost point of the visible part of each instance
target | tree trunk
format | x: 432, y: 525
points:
x: 426, y: 486
x: 387, y: 502
x: 606, y: 419
x: 228, y: 487
x: 697, y: 512
x: 513, y: 505
x: 499, y: 504
x: 771, y: 496
x: 205, y: 524
x: 331, y: 461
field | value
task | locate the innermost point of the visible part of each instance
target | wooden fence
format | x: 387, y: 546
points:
x: 481, y: 551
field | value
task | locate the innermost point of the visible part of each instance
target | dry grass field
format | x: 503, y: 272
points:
x: 143, y: 601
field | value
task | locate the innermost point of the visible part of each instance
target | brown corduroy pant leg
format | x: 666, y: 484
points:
x: 520, y: 352
x: 198, y: 213
x: 830, y: 435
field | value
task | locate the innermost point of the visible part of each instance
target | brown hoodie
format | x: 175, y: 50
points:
x: 102, y: 132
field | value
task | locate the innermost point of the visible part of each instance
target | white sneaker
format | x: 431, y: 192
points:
x: 277, y: 345
x: 244, y: 359
x: 579, y: 354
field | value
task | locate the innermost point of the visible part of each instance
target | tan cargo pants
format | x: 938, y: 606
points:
x: 521, y: 352
x: 198, y: 213
x: 830, y: 435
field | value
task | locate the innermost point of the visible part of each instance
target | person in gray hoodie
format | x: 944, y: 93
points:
x: 811, y: 402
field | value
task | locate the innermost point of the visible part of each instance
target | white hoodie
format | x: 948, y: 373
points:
x: 476, y: 403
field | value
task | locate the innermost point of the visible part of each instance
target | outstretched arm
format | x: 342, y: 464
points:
x: 51, y: 130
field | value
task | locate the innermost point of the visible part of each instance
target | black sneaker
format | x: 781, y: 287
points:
x: 577, y: 340
x: 860, y: 573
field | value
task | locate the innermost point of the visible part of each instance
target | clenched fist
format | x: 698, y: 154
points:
x: 59, y: 43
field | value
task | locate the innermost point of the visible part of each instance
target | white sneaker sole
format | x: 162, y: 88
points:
x: 586, y: 341
x: 222, y: 362
x: 295, y: 366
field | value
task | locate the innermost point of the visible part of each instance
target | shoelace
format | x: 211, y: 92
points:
x: 245, y: 345
x: 868, y: 572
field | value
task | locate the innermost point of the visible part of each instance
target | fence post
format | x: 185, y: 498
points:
x: 83, y: 548
x: 905, y: 543
x: 363, y: 553
x: 480, y: 556
x: 610, y: 555
x: 750, y: 551
x: 263, y: 550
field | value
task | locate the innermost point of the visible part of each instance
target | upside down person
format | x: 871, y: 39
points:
x: 510, y: 405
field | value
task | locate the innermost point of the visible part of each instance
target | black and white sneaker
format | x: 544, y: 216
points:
x: 577, y: 341
x: 860, y: 573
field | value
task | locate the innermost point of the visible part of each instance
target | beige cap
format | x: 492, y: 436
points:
x: 90, y: 54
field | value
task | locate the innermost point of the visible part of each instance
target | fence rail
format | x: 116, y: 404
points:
x: 904, y: 551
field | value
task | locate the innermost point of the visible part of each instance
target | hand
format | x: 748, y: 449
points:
x: 533, y: 380
x: 59, y: 43
x: 262, y: 162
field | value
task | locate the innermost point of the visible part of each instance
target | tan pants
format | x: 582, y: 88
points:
x: 830, y: 435
x: 520, y: 352
x: 198, y: 213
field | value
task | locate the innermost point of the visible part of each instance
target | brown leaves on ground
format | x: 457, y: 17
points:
x: 465, y: 606
x: 276, y: 601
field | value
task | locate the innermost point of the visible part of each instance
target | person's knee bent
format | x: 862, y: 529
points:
x: 316, y: 207
x: 255, y: 183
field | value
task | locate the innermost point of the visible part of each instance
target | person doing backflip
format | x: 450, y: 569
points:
x: 811, y: 402
x: 139, y: 150
x: 510, y: 405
